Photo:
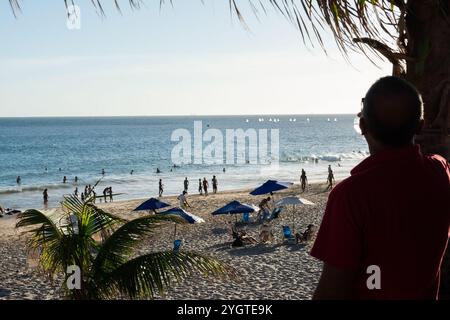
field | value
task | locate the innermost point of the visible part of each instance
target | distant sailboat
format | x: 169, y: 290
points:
x: 307, y: 120
x: 328, y: 119
x: 335, y: 119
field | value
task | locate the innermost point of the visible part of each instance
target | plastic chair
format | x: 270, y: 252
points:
x: 177, y: 245
x: 275, y: 213
x: 287, y: 234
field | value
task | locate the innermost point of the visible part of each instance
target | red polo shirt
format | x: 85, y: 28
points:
x: 392, y: 212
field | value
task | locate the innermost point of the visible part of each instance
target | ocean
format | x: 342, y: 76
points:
x: 44, y: 150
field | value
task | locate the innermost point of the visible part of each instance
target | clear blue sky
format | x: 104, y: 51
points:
x: 190, y: 59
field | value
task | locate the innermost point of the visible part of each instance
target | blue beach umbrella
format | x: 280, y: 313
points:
x: 235, y: 207
x: 188, y: 217
x: 151, y: 204
x: 270, y: 186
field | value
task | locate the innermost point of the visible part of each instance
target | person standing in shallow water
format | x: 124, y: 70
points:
x: 386, y: 227
x: 303, y: 180
x: 186, y: 184
x: 19, y: 180
x: 45, y: 196
x: 200, y: 187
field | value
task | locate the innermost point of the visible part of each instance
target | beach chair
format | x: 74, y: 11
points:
x: 246, y: 217
x: 275, y: 213
x: 287, y: 235
x: 177, y: 245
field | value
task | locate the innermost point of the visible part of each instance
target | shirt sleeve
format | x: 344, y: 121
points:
x: 339, y: 241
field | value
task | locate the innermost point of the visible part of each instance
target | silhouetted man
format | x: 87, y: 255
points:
x: 386, y: 227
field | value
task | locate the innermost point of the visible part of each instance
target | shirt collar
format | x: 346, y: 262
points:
x: 387, y: 155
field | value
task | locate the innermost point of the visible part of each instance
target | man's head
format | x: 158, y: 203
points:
x: 392, y: 113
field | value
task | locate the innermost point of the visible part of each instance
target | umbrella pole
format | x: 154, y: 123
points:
x: 293, y: 217
x: 175, y: 233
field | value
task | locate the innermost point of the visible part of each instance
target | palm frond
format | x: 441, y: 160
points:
x: 46, y: 231
x: 117, y: 248
x: 148, y: 275
x: 91, y: 219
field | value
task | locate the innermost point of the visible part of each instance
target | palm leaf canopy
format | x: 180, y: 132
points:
x: 353, y: 23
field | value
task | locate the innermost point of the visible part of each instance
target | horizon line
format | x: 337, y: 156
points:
x: 177, y: 115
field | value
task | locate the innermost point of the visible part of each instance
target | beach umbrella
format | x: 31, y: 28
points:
x: 151, y: 204
x: 270, y: 186
x: 292, y: 200
x: 188, y: 217
x: 235, y: 207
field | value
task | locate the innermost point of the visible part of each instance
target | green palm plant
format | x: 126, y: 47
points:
x: 109, y: 267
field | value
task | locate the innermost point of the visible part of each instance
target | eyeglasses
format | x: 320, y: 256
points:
x: 359, y: 115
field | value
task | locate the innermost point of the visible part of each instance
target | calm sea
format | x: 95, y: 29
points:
x: 44, y: 150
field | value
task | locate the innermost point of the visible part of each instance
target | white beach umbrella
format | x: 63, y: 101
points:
x: 292, y: 200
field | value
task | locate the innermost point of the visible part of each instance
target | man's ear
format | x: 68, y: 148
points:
x: 362, y: 126
x: 420, y: 126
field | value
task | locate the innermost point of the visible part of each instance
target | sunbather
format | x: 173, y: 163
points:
x: 307, y: 235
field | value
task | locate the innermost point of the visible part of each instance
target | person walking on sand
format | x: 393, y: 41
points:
x: 18, y: 180
x: 186, y: 184
x: 105, y: 192
x: 183, y: 200
x: 200, y: 187
x: 45, y: 196
x: 76, y: 192
x: 110, y: 192
x: 161, y: 188
x: 385, y: 231
x: 205, y: 186
x: 303, y: 180
x: 330, y: 179
x: 214, y: 184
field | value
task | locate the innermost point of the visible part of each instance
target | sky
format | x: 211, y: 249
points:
x: 189, y: 59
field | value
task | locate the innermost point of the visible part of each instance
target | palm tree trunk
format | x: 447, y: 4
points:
x: 428, y: 34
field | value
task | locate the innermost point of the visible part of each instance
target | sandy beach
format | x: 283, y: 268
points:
x: 274, y: 270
